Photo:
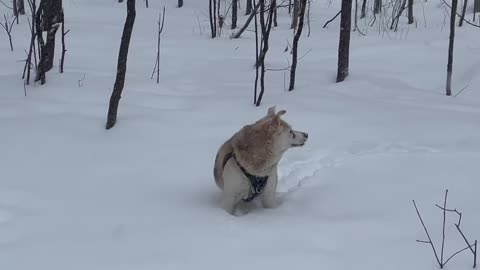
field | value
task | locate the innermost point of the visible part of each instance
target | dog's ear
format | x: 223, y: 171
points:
x: 276, y: 118
x: 271, y: 111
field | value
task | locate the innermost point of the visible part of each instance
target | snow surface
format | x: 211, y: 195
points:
x: 142, y: 196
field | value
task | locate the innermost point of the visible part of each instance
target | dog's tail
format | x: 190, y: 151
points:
x: 224, y: 150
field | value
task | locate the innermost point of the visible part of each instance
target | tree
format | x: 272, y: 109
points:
x: 48, y: 19
x: 453, y: 15
x: 296, y: 7
x: 20, y: 7
x: 377, y: 6
x: 234, y: 13
x: 248, y: 7
x: 121, y: 65
x: 344, y: 42
x: 410, y: 11
x: 296, y: 38
x: 180, y: 3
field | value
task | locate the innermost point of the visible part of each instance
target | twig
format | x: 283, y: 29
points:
x: 426, y: 231
x: 443, y: 230
x: 8, y: 28
x: 469, y: 247
x: 452, y: 210
x: 329, y: 21
x: 460, y: 91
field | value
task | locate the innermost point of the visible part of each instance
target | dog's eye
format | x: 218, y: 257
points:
x: 292, y: 133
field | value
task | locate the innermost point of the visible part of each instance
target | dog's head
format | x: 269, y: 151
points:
x: 285, y: 136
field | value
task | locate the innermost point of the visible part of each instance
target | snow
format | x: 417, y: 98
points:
x: 142, y: 196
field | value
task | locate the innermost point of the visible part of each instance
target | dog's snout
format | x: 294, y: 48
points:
x: 305, y: 135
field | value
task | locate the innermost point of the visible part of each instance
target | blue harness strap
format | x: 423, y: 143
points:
x: 257, y: 183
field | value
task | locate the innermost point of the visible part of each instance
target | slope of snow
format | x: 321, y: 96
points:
x: 142, y: 196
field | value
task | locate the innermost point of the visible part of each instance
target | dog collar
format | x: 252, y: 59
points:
x: 257, y: 183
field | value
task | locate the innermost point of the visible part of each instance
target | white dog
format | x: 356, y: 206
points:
x: 246, y: 164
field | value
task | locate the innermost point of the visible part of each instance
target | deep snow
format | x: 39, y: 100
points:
x: 142, y: 196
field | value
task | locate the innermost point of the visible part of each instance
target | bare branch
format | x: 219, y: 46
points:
x: 332, y: 19
x: 426, y: 231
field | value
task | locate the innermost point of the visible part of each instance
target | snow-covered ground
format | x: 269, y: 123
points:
x: 142, y: 196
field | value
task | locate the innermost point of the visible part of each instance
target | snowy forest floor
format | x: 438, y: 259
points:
x: 142, y: 196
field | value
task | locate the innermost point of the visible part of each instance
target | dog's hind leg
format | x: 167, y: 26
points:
x: 269, y: 199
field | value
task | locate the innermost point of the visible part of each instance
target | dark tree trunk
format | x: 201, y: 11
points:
x: 275, y: 15
x: 296, y: 7
x: 234, y: 13
x: 121, y: 65
x: 21, y: 7
x: 344, y: 43
x: 377, y: 6
x: 253, y: 14
x: 450, y: 47
x: 15, y: 8
x: 64, y: 50
x: 212, y: 12
x: 50, y: 48
x: 248, y: 7
x: 266, y: 27
x: 48, y: 17
x: 464, y: 9
x: 410, y: 11
x: 364, y: 7
x: 296, y: 38
x: 180, y: 3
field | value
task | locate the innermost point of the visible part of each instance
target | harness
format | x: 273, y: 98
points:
x: 257, y: 183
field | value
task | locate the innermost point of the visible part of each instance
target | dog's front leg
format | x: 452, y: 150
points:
x: 269, y: 199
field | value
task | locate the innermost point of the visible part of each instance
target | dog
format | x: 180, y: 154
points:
x: 246, y: 164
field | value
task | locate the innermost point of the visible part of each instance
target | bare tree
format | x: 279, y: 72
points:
x: 64, y: 50
x: 377, y: 6
x: 48, y: 18
x: 161, y: 22
x: 212, y: 11
x: 248, y: 7
x: 234, y: 13
x: 7, y: 26
x: 180, y: 3
x: 462, y: 17
x: 296, y: 7
x: 20, y: 7
x: 410, y: 12
x: 247, y: 22
x: 296, y: 38
x: 344, y: 42
x: 266, y: 27
x: 121, y: 65
x: 364, y: 7
x: 453, y: 15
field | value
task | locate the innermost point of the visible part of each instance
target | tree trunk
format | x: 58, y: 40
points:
x: 249, y: 20
x: 410, y: 11
x: 248, y: 7
x: 21, y: 7
x: 180, y: 3
x: 234, y: 13
x: 266, y: 27
x: 121, y: 65
x: 295, y: 14
x: 453, y: 15
x: 15, y: 8
x: 50, y: 48
x: 344, y: 42
x: 377, y: 6
x: 213, y: 17
x: 364, y: 7
x: 464, y: 9
x: 296, y: 38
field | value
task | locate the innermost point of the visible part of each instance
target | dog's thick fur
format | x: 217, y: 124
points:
x: 258, y: 148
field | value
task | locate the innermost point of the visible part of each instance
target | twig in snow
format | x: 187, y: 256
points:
x: 460, y: 91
